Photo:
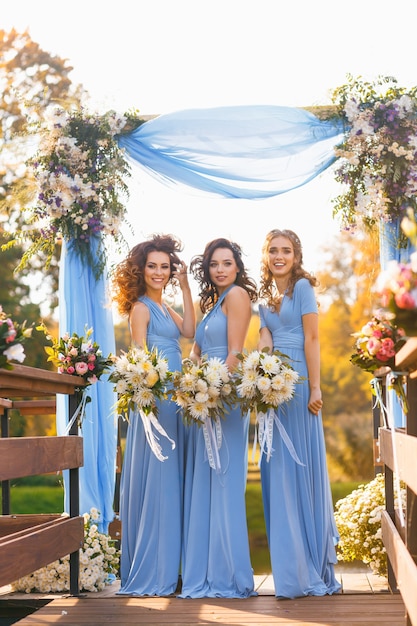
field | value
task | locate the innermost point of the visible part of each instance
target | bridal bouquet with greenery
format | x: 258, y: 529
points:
x: 264, y: 380
x: 203, y: 390
x: 12, y: 336
x: 99, y: 564
x: 358, y: 520
x: 140, y: 378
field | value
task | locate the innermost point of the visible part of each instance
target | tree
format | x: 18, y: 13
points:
x: 351, y: 267
x: 30, y: 80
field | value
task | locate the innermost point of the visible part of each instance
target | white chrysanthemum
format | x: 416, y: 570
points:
x: 263, y: 383
x: 251, y: 361
x: 162, y: 368
x: 198, y: 410
x: 201, y: 397
x: 201, y: 385
x: 213, y: 377
x: 121, y: 386
x: 143, y: 398
x: 270, y: 364
x: 214, y: 392
x: 188, y: 382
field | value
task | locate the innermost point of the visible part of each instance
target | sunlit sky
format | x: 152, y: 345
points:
x: 160, y: 56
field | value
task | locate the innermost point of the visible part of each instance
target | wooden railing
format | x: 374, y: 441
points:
x: 28, y: 542
x: 398, y: 454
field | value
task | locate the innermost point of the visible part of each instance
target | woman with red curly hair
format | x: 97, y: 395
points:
x: 151, y: 497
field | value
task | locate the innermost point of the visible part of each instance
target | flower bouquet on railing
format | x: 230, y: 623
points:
x: 265, y: 380
x: 204, y: 392
x: 140, y: 377
x: 12, y: 336
x: 376, y: 345
x: 77, y: 356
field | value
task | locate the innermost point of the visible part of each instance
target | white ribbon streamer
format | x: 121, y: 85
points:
x: 213, y: 437
x: 266, y: 433
x: 150, y: 421
x: 79, y: 411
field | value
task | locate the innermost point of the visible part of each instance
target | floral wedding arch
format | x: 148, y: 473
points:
x: 239, y: 152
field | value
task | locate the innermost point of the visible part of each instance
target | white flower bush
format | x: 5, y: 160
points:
x: 99, y: 562
x: 358, y: 520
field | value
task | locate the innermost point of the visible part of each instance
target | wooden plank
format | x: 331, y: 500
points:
x: 24, y: 381
x: 405, y: 569
x: 406, y: 452
x: 5, y: 403
x: 367, y: 610
x: 40, y: 546
x: 406, y: 357
x: 31, y: 456
x: 35, y: 407
x: 13, y: 524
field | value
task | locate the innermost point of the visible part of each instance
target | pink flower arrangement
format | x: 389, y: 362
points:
x: 78, y: 356
x: 377, y: 344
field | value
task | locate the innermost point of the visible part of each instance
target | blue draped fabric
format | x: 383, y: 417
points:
x: 249, y: 152
x: 389, y: 249
x: 84, y: 301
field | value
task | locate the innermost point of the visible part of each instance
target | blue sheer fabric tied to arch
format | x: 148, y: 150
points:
x: 84, y: 301
x: 249, y: 152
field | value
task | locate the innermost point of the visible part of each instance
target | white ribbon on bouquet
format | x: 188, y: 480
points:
x: 265, y: 426
x: 213, y: 438
x: 150, y: 421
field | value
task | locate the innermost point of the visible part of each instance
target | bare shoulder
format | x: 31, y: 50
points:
x: 237, y: 294
x: 139, y: 309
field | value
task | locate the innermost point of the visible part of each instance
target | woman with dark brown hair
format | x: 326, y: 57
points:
x: 151, y: 498
x: 216, y: 560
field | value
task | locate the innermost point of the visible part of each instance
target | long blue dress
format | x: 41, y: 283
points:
x: 216, y: 560
x: 297, y: 501
x: 152, y: 490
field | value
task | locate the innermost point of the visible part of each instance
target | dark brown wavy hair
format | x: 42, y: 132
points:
x: 268, y: 291
x: 200, y: 269
x: 128, y: 283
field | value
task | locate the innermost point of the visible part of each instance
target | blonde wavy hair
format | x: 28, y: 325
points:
x: 268, y: 290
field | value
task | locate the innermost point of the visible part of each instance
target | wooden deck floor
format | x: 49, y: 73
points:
x: 365, y: 601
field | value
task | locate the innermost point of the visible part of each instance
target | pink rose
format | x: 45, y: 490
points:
x: 404, y: 300
x: 70, y: 369
x: 91, y: 366
x: 373, y: 345
x: 81, y: 368
x: 92, y: 379
x: 387, y: 350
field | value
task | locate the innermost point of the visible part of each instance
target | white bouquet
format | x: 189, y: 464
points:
x: 140, y: 378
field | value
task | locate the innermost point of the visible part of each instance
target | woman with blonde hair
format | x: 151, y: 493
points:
x: 296, y: 493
